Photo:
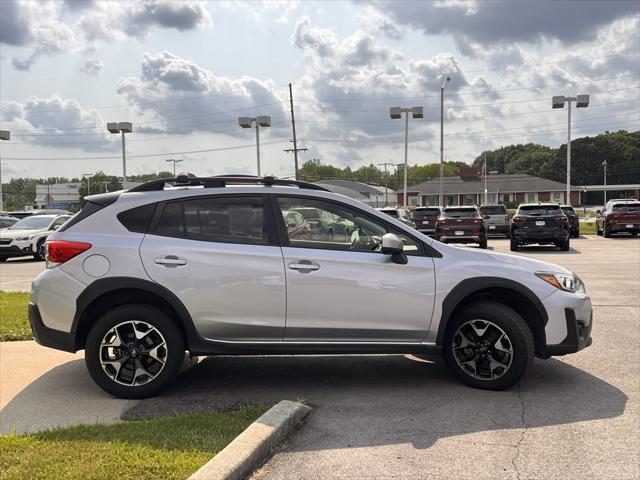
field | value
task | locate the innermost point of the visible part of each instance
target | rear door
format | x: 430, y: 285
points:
x: 342, y: 288
x: 219, y: 255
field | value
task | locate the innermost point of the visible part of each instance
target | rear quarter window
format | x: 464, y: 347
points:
x: 137, y: 219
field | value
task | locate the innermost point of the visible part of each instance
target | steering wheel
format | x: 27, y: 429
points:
x: 365, y: 242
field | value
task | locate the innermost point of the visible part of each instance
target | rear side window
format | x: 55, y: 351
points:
x: 494, y: 210
x: 137, y: 219
x: 216, y: 219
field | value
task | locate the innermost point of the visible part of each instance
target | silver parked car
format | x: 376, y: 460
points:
x: 496, y: 219
x: 138, y: 278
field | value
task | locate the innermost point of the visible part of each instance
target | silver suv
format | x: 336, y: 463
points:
x: 497, y: 219
x: 209, y: 266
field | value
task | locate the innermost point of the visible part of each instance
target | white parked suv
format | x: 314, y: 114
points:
x: 207, y: 266
x: 27, y: 236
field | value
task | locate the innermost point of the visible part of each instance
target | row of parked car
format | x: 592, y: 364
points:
x: 24, y: 233
x: 533, y: 223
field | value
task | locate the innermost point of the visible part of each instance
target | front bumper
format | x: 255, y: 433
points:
x: 578, y: 335
x: 15, y: 251
x: 49, y: 337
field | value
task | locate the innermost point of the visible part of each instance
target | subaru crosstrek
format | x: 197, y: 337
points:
x: 208, y: 266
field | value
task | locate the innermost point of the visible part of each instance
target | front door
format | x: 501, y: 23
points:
x: 218, y: 256
x: 340, y: 287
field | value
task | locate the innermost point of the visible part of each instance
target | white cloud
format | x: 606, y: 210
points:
x: 92, y: 67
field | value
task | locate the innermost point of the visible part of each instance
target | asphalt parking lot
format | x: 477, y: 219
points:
x: 393, y: 416
x: 16, y: 273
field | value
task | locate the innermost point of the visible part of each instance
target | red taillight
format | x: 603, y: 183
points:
x: 562, y: 219
x: 518, y: 219
x: 478, y: 220
x: 60, y: 251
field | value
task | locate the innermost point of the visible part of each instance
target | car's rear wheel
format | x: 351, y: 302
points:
x: 3, y: 259
x: 564, y: 246
x: 483, y: 242
x: 606, y: 233
x: 514, y: 245
x: 488, y: 345
x: 134, y: 351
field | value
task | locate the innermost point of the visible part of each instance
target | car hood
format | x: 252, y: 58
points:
x: 17, y: 233
x: 527, y: 263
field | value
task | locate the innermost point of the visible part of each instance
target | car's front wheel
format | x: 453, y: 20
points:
x: 134, y: 351
x: 40, y: 251
x: 488, y: 345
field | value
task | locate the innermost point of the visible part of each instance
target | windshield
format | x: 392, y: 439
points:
x: 537, y: 210
x: 31, y: 223
x: 461, y: 213
x: 497, y: 210
x: 626, y: 207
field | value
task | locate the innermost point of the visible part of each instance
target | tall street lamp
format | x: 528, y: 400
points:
x: 604, y: 164
x: 396, y: 113
x: 582, y: 101
x: 88, y: 177
x: 174, y: 164
x: 261, y: 121
x: 444, y: 84
x: 4, y: 135
x: 122, y: 127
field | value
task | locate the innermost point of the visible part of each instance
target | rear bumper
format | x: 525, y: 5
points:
x: 538, y: 236
x: 48, y: 337
x: 578, y: 335
x: 622, y: 227
x: 503, y: 229
x: 459, y: 239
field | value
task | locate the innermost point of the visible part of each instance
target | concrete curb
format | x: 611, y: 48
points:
x: 243, y: 454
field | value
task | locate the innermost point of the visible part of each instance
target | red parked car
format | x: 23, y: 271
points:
x: 461, y: 225
x: 619, y: 216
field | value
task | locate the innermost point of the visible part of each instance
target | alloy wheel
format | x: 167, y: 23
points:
x: 482, y: 349
x: 133, y: 353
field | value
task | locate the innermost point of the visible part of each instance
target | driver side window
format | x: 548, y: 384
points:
x: 331, y: 226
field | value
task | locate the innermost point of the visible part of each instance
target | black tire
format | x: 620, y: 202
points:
x: 564, y: 246
x: 598, y: 231
x: 39, y: 255
x: 483, y: 243
x: 517, y: 331
x: 174, y: 353
x: 606, y: 233
x: 3, y: 259
x: 514, y: 245
x: 575, y: 234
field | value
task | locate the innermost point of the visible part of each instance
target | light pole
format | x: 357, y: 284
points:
x: 604, y: 164
x: 122, y: 127
x: 4, y: 135
x: 261, y: 121
x: 106, y: 187
x: 88, y: 177
x: 396, y: 113
x: 444, y: 84
x: 174, y: 164
x: 582, y: 101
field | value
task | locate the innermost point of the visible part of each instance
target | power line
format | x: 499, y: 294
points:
x: 238, y: 147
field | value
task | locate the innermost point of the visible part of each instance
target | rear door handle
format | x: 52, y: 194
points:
x: 170, y: 261
x: 304, y: 266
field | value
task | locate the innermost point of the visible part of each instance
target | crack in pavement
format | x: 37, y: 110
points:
x: 523, y: 408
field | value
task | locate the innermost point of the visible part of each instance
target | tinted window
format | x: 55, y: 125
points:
x: 342, y: 228
x: 391, y: 213
x: 6, y: 222
x: 426, y: 212
x: 537, y: 210
x: 568, y: 211
x: 460, y: 213
x: 226, y: 219
x: 171, y: 222
x: 493, y: 210
x: 626, y: 207
x: 137, y: 219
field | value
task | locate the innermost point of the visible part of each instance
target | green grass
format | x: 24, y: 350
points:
x: 14, y: 322
x: 163, y: 448
x: 587, y: 228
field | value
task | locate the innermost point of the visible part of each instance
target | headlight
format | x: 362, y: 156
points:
x: 28, y: 237
x: 564, y: 281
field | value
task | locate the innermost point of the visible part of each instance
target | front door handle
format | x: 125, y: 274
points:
x: 304, y: 266
x: 170, y: 261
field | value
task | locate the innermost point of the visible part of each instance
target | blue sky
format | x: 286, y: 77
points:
x: 183, y: 71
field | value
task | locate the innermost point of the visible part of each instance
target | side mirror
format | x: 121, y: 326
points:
x: 54, y: 227
x: 394, y: 246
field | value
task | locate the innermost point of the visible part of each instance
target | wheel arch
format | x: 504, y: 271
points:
x: 508, y: 292
x: 104, y: 294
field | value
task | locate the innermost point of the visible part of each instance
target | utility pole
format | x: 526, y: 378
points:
x: 293, y: 125
x: 386, y: 182
x: 484, y: 176
x: 604, y: 164
x: 295, y: 151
